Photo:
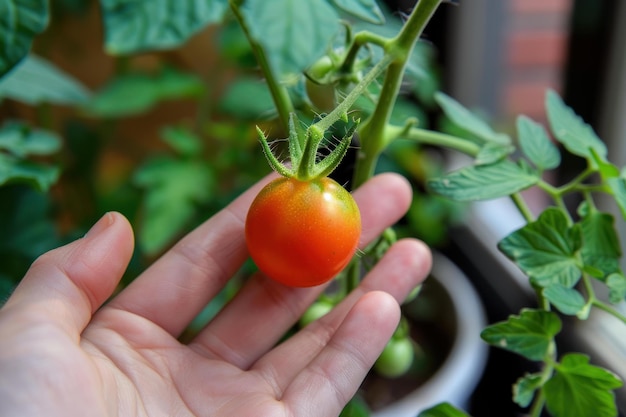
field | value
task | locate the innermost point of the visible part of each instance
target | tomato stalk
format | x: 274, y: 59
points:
x: 373, y: 132
x: 304, y: 144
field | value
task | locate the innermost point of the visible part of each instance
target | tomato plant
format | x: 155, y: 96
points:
x: 302, y: 233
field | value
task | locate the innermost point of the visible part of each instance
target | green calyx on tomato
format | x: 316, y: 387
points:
x: 303, y: 150
x: 302, y: 229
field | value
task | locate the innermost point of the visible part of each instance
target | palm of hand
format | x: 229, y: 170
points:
x: 61, y: 354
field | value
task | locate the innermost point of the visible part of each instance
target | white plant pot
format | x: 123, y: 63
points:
x: 456, y: 379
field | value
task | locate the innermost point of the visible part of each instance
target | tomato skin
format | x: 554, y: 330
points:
x: 302, y: 233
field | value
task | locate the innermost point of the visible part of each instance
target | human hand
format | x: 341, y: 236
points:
x: 64, y: 353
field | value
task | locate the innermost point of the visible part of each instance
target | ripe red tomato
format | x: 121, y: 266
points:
x: 302, y: 233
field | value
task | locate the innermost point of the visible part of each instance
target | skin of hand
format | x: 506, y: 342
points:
x: 68, y: 348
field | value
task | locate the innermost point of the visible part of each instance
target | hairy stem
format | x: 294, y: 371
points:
x: 430, y: 137
x: 372, y: 132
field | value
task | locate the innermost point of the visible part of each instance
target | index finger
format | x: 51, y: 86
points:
x: 194, y: 270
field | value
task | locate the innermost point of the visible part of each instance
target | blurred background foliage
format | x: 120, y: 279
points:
x: 166, y: 137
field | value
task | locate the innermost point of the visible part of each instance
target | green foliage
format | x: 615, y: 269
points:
x: 546, y: 249
x: 536, y: 145
x: 136, y: 93
x: 20, y: 22
x: 617, y: 287
x: 560, y: 252
x: 579, y: 389
x: 298, y: 38
x: 601, y: 250
x: 175, y: 185
x: 19, y: 143
x: 477, y: 182
x: 469, y: 121
x: 577, y: 136
x: 142, y: 25
x: 37, y: 80
x: 443, y: 410
x: 530, y: 334
x: 525, y: 387
x: 366, y: 10
x: 248, y: 99
x: 567, y: 300
x: 27, y: 232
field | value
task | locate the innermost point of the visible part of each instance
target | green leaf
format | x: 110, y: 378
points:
x: 484, y: 182
x: 566, y: 300
x: 577, y: 136
x: 125, y: 95
x: 248, y: 99
x: 36, y: 80
x: 18, y: 141
x: 366, y: 10
x: 22, y: 140
x: 536, y: 145
x: 182, y: 140
x: 617, y: 287
x: 618, y: 188
x: 546, y: 249
x: 524, y: 389
x: 579, y: 389
x: 493, y: 152
x: 615, y: 180
x: 173, y: 189
x: 443, y: 410
x: 139, y: 25
x: 530, y: 334
x: 136, y: 93
x: 606, y: 169
x: 468, y: 121
x: 601, y: 249
x: 20, y: 22
x: 293, y: 33
x: 39, y: 176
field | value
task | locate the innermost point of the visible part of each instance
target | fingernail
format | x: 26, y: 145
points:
x: 102, y: 224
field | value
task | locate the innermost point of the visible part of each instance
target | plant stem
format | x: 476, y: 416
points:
x: 372, y: 132
x: 430, y: 137
x: 360, y: 39
x: 279, y: 93
x: 342, y: 108
x: 538, y: 405
x: 523, y: 208
x: 607, y: 308
x: 354, y: 276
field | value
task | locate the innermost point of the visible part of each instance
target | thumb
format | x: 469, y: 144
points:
x: 68, y: 284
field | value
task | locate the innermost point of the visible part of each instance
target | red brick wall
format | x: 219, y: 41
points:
x: 535, y: 54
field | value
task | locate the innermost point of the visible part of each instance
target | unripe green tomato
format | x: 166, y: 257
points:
x: 322, y: 96
x: 320, y: 68
x: 396, y: 358
x: 314, y: 312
